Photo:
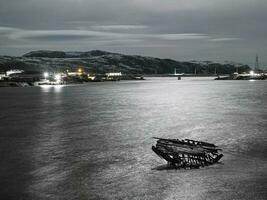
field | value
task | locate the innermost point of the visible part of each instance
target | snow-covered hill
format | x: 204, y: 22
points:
x: 102, y: 61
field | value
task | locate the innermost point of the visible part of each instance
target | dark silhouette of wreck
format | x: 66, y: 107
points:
x: 187, y: 153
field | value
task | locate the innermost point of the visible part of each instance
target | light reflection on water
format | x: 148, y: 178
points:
x: 93, y: 141
x: 52, y: 88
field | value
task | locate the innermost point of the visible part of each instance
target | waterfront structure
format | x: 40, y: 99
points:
x: 177, y: 74
x: 256, y: 68
x: 14, y: 71
x: 113, y: 76
x: 2, y: 75
x: 252, y: 75
x: 75, y: 73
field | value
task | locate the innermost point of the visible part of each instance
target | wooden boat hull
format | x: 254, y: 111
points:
x: 187, y: 153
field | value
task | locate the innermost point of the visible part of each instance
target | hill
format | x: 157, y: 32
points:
x: 97, y: 61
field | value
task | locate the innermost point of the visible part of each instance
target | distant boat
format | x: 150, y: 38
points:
x: 187, y: 153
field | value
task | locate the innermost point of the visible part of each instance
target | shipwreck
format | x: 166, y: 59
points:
x: 187, y: 153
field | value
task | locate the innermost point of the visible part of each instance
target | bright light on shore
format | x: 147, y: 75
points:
x: 46, y: 75
x: 251, y: 73
x: 57, y: 77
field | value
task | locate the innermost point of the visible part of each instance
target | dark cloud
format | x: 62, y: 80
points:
x: 179, y: 29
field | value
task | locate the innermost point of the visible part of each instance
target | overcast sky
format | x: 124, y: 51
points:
x: 217, y: 30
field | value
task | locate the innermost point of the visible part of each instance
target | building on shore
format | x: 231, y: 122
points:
x: 29, y: 76
x: 3, y: 75
x: 113, y: 76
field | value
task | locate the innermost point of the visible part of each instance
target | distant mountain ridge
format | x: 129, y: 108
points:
x: 98, y: 61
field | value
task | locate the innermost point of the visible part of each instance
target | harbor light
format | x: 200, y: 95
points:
x: 251, y: 72
x: 80, y: 70
x: 46, y: 75
x: 57, y: 77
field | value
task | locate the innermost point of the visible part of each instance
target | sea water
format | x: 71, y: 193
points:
x: 93, y: 141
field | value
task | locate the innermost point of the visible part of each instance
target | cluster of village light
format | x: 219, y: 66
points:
x: 57, y: 77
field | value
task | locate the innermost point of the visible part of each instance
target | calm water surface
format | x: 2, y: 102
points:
x: 94, y: 141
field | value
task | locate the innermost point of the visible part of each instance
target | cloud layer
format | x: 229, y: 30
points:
x: 68, y: 35
x: 179, y: 29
